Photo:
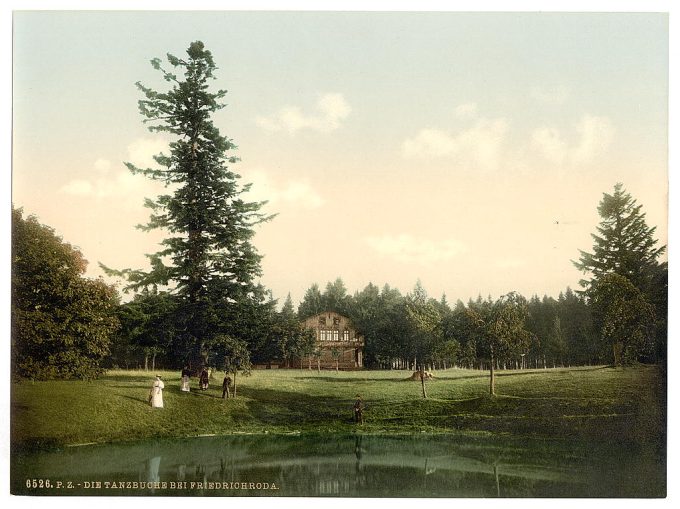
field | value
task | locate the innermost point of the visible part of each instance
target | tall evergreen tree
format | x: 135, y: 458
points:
x: 625, y: 245
x: 207, y: 259
x: 335, y: 297
x: 311, y: 302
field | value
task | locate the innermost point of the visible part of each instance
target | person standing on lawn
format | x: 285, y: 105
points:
x: 226, y: 384
x: 156, y: 393
x: 186, y: 373
x: 203, y: 380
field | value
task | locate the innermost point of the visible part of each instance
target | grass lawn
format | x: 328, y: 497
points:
x: 622, y: 404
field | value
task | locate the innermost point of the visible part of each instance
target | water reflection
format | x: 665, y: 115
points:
x: 346, y: 466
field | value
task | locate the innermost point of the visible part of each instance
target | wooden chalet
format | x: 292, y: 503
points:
x: 338, y: 342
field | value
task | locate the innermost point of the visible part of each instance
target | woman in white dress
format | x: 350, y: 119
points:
x: 156, y: 394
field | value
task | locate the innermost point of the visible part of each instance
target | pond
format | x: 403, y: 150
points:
x: 344, y: 466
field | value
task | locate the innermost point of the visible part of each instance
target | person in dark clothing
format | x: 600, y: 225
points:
x: 359, y: 410
x: 203, y: 379
x: 226, y: 385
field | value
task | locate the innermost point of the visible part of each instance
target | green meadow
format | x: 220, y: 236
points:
x: 593, y: 403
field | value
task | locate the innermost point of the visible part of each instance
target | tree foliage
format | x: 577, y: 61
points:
x: 624, y: 317
x: 501, y: 329
x: 207, y: 259
x: 62, y: 322
x: 626, y: 246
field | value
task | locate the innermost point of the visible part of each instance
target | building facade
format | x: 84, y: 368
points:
x: 338, y: 343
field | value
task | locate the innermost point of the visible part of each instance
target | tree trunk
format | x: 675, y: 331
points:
x: 422, y: 383
x: 492, y: 381
x: 146, y: 362
x: 234, y: 384
x: 153, y: 362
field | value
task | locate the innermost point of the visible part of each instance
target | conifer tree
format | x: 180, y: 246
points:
x: 207, y: 259
x: 624, y: 244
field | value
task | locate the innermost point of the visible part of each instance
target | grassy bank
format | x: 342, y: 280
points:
x: 594, y: 402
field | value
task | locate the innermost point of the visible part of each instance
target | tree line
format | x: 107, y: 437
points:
x: 200, y: 303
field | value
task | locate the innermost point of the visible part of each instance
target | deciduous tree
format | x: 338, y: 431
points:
x: 500, y: 330
x: 62, y: 322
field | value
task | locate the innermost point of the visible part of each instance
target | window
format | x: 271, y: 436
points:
x: 345, y: 335
x: 322, y: 335
x: 336, y: 335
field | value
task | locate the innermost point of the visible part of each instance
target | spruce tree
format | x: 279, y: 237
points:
x: 207, y: 259
x: 624, y: 245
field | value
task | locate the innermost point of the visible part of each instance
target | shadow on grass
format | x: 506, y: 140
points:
x: 204, y: 394
x: 139, y: 400
x: 518, y: 372
x: 292, y: 408
x: 338, y: 379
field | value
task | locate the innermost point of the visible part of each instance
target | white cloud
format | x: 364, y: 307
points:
x: 406, y: 248
x: 596, y: 134
x: 479, y: 146
x: 549, y: 143
x: 332, y: 109
x: 296, y: 193
x: 142, y: 150
x: 593, y: 137
x: 78, y: 187
x: 121, y: 185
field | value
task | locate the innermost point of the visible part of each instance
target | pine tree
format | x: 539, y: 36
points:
x: 624, y: 245
x: 311, y: 303
x: 207, y: 260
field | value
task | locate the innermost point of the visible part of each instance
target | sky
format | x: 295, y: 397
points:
x: 467, y: 150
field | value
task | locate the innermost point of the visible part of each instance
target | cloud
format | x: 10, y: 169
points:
x: 120, y: 185
x: 331, y: 110
x: 406, y: 248
x: 295, y: 193
x: 142, y: 150
x: 478, y: 146
x: 594, y: 135
x: 549, y: 143
x: 77, y: 187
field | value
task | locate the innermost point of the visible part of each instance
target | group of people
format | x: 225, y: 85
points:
x: 156, y: 392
